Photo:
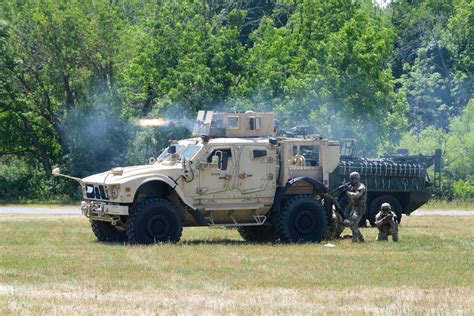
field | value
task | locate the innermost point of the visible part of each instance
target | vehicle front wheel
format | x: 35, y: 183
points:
x: 302, y: 219
x: 106, y: 232
x: 154, y: 220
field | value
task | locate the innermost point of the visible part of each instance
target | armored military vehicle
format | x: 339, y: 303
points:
x: 401, y: 179
x: 234, y: 172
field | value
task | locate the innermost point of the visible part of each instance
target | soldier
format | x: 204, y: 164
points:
x: 357, y: 194
x: 335, y: 225
x: 387, y: 224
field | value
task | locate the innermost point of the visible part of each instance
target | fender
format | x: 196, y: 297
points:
x: 319, y: 187
x: 173, y: 184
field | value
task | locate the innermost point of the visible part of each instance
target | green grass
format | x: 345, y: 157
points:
x: 53, y: 264
x: 434, y: 204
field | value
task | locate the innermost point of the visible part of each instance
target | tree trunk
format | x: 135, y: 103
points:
x: 69, y: 94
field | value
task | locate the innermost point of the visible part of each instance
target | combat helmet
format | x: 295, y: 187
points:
x: 386, y: 207
x: 355, y: 177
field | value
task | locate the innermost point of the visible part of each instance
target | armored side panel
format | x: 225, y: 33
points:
x: 385, y: 174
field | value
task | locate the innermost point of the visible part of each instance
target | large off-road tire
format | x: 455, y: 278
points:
x: 106, y: 232
x: 154, y: 220
x: 376, y: 203
x: 302, y: 219
x: 261, y: 233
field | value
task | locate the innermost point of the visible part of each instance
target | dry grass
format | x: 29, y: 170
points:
x: 52, y: 264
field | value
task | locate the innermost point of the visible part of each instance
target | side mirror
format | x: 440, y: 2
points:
x: 223, y: 161
x: 172, y: 149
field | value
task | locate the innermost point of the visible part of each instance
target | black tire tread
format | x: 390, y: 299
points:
x: 106, y: 232
x: 283, y: 229
x: 139, y: 209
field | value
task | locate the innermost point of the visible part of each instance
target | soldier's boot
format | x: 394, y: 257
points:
x: 357, y: 236
x: 381, y: 236
x: 395, y: 236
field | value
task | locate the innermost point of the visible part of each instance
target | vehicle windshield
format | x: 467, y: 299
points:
x: 189, y: 151
x: 183, y: 151
x: 165, y: 152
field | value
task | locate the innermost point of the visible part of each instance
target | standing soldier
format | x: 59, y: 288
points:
x: 386, y: 222
x: 357, y: 194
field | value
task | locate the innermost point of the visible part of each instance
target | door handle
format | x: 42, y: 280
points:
x: 244, y: 175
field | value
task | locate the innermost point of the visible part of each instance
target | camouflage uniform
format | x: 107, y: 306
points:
x: 387, y: 224
x: 336, y: 225
x: 357, y: 194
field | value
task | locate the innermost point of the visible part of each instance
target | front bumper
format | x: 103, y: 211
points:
x: 94, y: 208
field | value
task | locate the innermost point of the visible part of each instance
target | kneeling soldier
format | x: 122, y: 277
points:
x: 386, y: 222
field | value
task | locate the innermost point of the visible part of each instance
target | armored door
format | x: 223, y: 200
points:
x: 217, y: 174
x: 257, y: 171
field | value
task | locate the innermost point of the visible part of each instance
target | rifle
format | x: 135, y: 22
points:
x: 387, y: 218
x: 345, y: 186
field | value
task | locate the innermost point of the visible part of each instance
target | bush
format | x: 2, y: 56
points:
x: 23, y: 180
x: 464, y: 189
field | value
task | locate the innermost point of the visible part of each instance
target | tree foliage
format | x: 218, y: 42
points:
x: 435, y: 59
x: 76, y: 75
x: 458, y: 151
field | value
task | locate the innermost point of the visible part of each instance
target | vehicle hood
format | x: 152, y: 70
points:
x: 134, y: 172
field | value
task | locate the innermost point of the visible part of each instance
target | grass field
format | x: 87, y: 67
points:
x: 53, y: 264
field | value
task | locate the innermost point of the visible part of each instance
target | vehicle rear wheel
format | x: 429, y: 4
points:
x: 375, y: 205
x: 261, y: 233
x: 106, y: 232
x: 154, y: 220
x: 302, y: 219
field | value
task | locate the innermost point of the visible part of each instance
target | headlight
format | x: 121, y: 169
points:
x: 114, y: 191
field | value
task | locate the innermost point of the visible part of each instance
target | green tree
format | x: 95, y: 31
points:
x: 458, y: 151
x: 329, y: 67
x: 189, y: 57
x: 412, y: 21
x: 434, y: 59
x: 58, y: 57
x: 460, y: 144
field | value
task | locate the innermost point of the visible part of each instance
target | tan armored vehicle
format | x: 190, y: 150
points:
x: 234, y: 173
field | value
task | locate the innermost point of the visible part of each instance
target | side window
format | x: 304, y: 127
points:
x: 233, y: 122
x: 224, y: 156
x: 257, y: 153
x: 255, y: 123
x: 295, y: 150
x: 310, y: 154
x: 306, y: 155
x: 217, y: 122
